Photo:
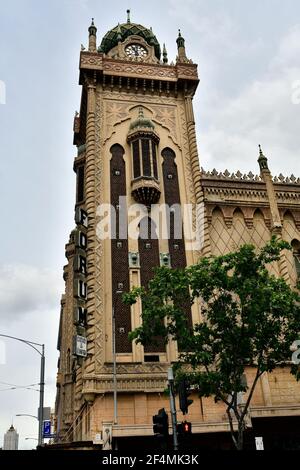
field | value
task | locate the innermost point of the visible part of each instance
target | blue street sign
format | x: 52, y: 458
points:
x: 47, y: 429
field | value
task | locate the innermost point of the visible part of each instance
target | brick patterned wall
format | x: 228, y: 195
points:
x: 119, y: 253
x: 149, y: 259
x: 172, y: 196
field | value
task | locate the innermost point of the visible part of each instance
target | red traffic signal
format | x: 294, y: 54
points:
x: 184, y: 428
x: 187, y: 427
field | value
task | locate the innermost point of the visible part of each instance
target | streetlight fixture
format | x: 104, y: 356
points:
x: 31, y: 416
x: 42, y: 379
x: 115, y: 357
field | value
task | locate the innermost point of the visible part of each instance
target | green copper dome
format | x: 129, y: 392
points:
x: 123, y: 31
x: 141, y: 122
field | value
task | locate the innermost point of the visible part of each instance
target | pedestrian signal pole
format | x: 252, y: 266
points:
x: 173, y: 407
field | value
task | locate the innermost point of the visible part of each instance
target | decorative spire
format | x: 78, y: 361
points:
x: 128, y: 16
x: 152, y: 38
x: 92, y: 29
x: 262, y: 160
x: 141, y: 112
x: 180, y: 40
x: 181, y: 48
x: 92, y: 37
x: 142, y: 121
x: 165, y: 55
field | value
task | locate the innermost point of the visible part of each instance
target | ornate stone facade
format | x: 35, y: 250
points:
x: 232, y: 209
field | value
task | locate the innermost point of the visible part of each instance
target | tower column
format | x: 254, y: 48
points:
x: 201, y: 217
x: 90, y: 208
x: 276, y: 227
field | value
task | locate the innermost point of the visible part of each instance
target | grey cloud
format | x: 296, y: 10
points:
x: 25, y: 289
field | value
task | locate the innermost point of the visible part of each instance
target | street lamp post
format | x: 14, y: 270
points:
x: 42, y: 379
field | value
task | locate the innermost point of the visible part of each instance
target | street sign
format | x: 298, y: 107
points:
x: 47, y: 429
x: 80, y: 346
x: 259, y: 443
x: 46, y: 413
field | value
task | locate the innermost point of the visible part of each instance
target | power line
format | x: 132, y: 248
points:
x: 19, y: 388
x: 15, y: 385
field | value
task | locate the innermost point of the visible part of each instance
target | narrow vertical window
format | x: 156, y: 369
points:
x: 136, y: 159
x: 146, y: 157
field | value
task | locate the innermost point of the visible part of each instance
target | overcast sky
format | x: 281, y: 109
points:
x: 249, y: 61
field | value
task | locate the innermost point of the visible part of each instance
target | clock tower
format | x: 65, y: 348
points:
x: 135, y: 150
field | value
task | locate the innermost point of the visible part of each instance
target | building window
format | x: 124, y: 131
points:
x: 136, y: 159
x: 144, y: 158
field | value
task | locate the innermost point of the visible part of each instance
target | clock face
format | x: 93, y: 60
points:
x: 136, y: 50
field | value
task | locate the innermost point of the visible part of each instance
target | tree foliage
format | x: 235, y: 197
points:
x: 249, y: 318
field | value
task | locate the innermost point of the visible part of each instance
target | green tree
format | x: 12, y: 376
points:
x: 249, y: 318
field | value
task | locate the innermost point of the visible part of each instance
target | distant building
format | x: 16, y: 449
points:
x: 11, y: 439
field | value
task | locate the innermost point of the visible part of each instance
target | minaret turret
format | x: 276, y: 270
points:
x: 181, y: 48
x: 263, y: 161
x: 92, y: 37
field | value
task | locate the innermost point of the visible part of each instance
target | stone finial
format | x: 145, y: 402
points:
x: 165, y: 55
x: 262, y: 160
x: 92, y: 28
x: 141, y: 112
x: 92, y: 37
x: 180, y: 40
x: 181, y: 49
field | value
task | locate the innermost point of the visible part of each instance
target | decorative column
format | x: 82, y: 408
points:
x: 90, y: 209
x: 201, y: 216
x: 276, y: 227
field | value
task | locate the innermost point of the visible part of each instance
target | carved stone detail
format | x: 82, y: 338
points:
x: 123, y: 67
x: 99, y: 268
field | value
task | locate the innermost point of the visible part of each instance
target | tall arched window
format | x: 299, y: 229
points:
x: 144, y: 141
x: 119, y: 250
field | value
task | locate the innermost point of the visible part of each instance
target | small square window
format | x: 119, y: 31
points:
x: 170, y: 176
x: 119, y: 244
x: 148, y: 246
x: 117, y: 172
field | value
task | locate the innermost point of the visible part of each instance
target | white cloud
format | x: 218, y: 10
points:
x: 25, y: 289
x: 262, y: 113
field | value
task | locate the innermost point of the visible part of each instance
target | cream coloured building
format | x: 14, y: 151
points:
x: 136, y: 144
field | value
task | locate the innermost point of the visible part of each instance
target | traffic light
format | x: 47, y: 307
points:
x: 161, y: 423
x: 184, y: 392
x: 184, y: 428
